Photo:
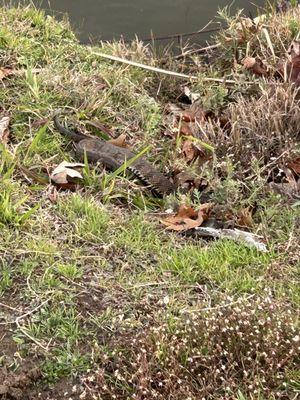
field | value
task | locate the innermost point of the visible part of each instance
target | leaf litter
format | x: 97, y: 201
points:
x: 187, y: 218
x: 4, y: 130
x: 66, y: 175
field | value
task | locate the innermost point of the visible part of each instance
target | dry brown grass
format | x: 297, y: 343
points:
x: 263, y: 127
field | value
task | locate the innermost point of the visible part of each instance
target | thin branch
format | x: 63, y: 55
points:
x: 31, y: 311
x: 160, y: 70
x: 9, y: 307
x: 31, y: 337
x: 197, y: 51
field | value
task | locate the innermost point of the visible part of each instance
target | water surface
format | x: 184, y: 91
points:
x: 107, y: 19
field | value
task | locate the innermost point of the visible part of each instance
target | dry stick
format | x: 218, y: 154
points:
x: 31, y: 311
x: 31, y: 337
x: 18, y: 319
x: 160, y: 70
x: 197, y: 51
x: 178, y: 35
x: 9, y: 307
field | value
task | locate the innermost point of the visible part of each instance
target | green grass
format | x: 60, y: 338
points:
x: 92, y: 273
x: 89, y: 219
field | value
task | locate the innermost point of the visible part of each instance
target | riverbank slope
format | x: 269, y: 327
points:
x: 97, y: 299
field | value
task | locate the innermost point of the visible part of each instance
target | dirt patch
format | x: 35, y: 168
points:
x: 15, y: 384
x: 66, y: 388
x: 7, y: 345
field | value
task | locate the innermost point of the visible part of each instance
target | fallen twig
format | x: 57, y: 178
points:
x: 31, y: 311
x: 160, y: 70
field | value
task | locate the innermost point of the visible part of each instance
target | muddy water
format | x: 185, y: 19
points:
x: 107, y: 19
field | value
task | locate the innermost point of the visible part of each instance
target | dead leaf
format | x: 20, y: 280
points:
x: 188, y: 116
x: 194, y: 113
x: 188, y: 181
x: 39, y: 122
x: 4, y: 72
x: 120, y: 141
x: 245, y: 217
x: 190, y: 151
x: 255, y: 65
x: 185, y: 129
x: 53, y: 194
x: 4, y: 131
x: 66, y: 175
x: 289, y: 69
x: 187, y: 218
x: 295, y: 166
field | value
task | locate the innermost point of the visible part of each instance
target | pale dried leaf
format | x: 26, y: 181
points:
x: 66, y: 173
x: 4, y: 72
x: 4, y: 131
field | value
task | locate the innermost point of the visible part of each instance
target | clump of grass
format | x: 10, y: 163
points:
x: 262, y: 128
x: 90, y: 220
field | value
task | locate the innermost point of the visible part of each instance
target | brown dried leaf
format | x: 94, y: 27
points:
x: 4, y: 72
x: 255, y: 65
x: 188, y: 116
x: 185, y: 129
x: 185, y: 211
x: 39, y: 122
x: 190, y: 151
x: 120, y: 141
x: 289, y: 69
x: 245, y: 217
x: 53, y: 195
x: 295, y: 166
x: 194, y: 113
x: 4, y: 131
x: 188, y: 180
x: 187, y: 218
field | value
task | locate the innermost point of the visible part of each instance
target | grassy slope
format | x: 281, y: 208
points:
x: 116, y: 302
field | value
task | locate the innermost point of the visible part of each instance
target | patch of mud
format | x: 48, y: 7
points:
x: 14, y: 385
